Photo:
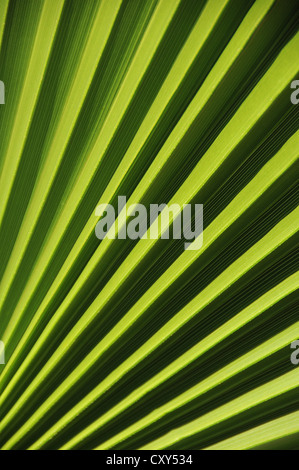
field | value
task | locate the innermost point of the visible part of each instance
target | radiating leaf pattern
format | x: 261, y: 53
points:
x: 138, y: 344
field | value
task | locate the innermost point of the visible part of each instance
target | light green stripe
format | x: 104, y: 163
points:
x: 276, y: 429
x: 253, y: 398
x: 248, y: 195
x: 78, y: 90
x: 281, y: 232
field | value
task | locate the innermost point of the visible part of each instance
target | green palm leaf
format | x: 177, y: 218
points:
x: 138, y: 344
